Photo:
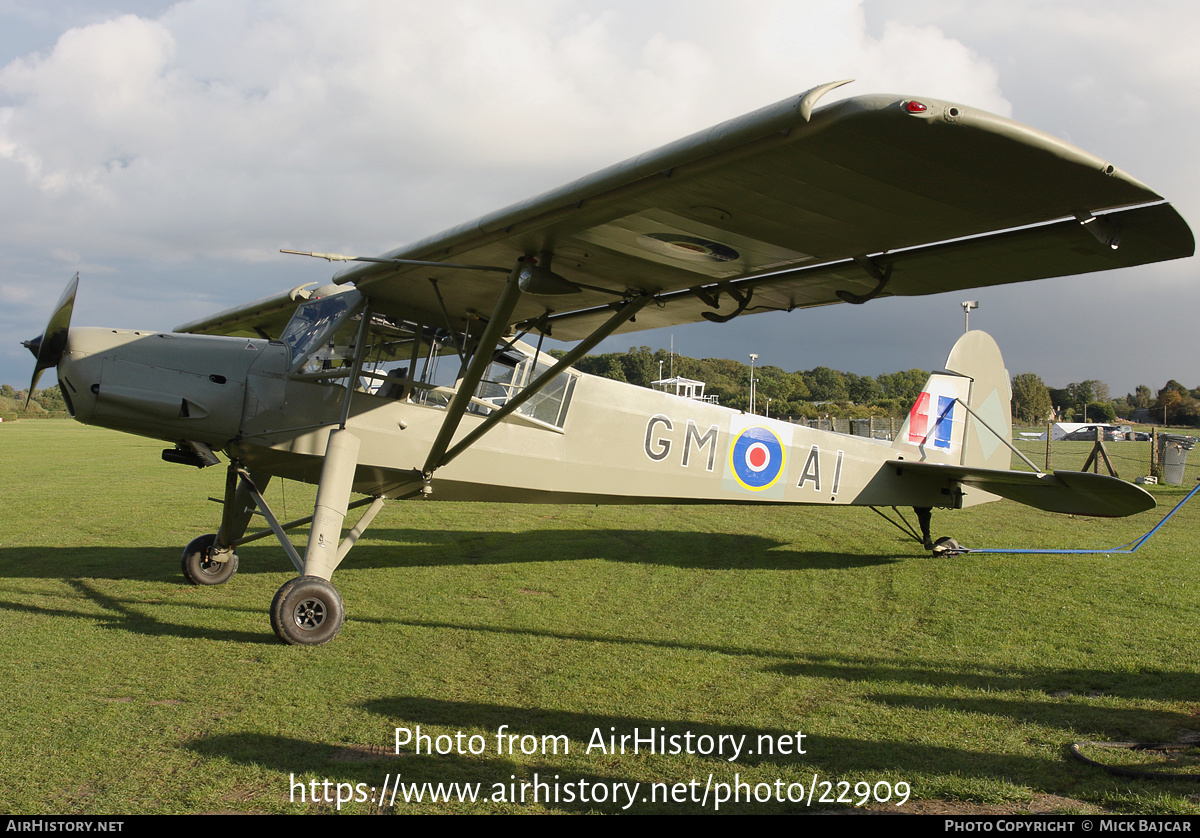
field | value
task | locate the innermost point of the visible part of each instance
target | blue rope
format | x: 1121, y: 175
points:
x: 1128, y: 547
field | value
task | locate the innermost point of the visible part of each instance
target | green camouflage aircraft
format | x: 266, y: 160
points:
x: 420, y: 373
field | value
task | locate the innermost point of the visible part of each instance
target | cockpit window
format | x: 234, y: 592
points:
x: 509, y: 375
x: 399, y: 361
x: 314, y: 325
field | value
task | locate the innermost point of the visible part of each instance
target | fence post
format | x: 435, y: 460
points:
x: 1049, y: 433
x: 1154, y: 454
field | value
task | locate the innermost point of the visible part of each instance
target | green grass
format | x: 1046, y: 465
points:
x: 127, y: 691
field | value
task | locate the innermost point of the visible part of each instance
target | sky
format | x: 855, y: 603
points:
x: 167, y: 151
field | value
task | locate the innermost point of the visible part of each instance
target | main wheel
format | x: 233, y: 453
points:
x: 200, y: 568
x: 307, y: 611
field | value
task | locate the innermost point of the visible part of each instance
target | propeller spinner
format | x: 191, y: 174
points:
x: 48, y: 347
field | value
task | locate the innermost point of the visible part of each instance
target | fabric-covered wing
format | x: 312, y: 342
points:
x: 1057, y: 249
x: 263, y: 318
x: 825, y: 201
x: 791, y: 207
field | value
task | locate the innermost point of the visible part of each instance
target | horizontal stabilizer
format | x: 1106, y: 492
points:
x: 1067, y: 492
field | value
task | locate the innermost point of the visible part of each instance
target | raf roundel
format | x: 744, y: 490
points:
x: 756, y: 458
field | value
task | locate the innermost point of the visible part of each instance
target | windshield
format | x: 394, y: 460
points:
x: 315, y: 322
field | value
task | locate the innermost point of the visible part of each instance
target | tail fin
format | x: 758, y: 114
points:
x: 968, y: 450
x: 943, y: 430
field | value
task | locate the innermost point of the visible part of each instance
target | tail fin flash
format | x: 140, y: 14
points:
x: 937, y: 422
x: 941, y: 426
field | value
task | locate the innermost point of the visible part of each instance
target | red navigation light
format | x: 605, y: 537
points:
x: 913, y: 106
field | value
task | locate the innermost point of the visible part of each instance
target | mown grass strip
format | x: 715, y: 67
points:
x: 967, y: 678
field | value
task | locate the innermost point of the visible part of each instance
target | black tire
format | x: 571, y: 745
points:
x: 200, y: 569
x: 307, y: 611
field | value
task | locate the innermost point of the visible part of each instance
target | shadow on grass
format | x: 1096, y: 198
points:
x: 137, y: 615
x: 384, y: 782
x: 1090, y: 719
x: 133, y: 615
x: 447, y: 548
x: 413, y: 548
x: 556, y: 750
x: 1073, y: 683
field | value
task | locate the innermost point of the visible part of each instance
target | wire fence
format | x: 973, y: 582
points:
x: 1129, y: 459
x: 876, y: 427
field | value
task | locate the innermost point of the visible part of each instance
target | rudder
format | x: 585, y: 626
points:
x: 943, y: 430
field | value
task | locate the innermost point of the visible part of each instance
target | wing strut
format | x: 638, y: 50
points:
x: 625, y: 312
x: 1000, y: 437
x: 492, y: 333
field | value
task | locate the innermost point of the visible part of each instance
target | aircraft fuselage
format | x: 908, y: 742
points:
x: 602, y: 441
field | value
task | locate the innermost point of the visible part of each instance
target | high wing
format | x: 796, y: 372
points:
x: 265, y: 318
x: 788, y: 207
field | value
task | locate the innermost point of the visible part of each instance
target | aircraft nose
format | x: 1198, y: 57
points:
x: 33, y: 345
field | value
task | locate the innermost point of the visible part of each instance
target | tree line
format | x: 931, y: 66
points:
x: 822, y: 391
x: 1035, y: 403
x: 48, y: 400
x: 811, y: 393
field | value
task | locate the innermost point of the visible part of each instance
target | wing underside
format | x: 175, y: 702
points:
x: 790, y: 207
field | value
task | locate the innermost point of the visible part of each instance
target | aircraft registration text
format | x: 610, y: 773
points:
x: 757, y: 456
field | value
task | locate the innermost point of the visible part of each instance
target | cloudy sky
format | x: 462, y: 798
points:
x: 166, y: 151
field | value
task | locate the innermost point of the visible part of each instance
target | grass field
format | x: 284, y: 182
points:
x: 966, y: 678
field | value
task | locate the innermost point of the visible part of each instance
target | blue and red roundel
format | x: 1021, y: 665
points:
x: 756, y: 458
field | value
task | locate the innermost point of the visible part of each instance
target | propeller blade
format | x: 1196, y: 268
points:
x: 48, y: 347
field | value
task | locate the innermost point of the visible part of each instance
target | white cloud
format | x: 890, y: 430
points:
x: 224, y: 127
x: 214, y: 132
x: 103, y: 95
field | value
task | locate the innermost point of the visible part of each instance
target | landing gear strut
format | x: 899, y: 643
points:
x: 944, y: 545
x: 308, y: 610
x: 924, y: 519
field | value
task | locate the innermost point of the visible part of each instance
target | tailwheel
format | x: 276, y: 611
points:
x: 947, y: 546
x: 201, y: 568
x: 307, y: 611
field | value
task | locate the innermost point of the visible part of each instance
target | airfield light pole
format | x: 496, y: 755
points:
x: 768, y: 413
x: 967, y: 306
x: 753, y: 358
